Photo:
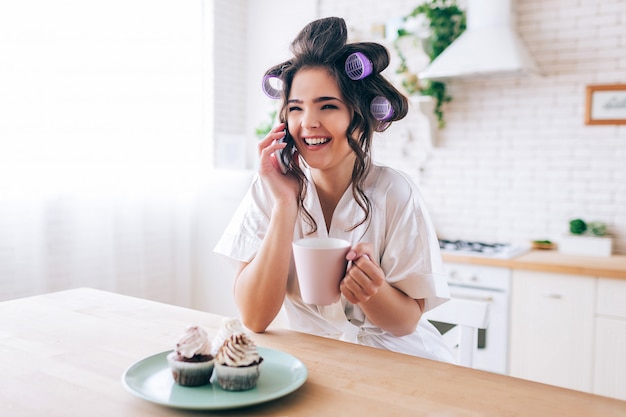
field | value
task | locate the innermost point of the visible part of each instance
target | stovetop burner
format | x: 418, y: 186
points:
x: 495, y: 250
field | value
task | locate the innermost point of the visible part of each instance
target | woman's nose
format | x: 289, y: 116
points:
x: 310, y: 119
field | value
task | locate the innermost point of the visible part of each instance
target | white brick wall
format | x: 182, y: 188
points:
x: 516, y: 161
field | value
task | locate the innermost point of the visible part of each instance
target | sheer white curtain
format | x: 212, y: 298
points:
x: 103, y: 144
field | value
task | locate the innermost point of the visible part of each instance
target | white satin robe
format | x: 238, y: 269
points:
x: 405, y: 246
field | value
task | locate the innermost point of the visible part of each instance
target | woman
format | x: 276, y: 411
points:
x: 333, y: 189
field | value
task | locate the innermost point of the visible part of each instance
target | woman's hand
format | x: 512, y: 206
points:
x: 364, y: 277
x: 282, y: 186
x: 267, y: 146
x: 385, y: 306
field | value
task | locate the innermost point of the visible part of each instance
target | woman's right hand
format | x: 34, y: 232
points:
x: 282, y: 186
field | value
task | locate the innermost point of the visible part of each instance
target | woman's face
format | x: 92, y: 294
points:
x: 318, y: 119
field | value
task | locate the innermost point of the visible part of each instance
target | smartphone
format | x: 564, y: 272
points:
x: 278, y: 155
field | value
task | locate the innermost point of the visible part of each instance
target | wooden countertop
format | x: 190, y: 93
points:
x: 64, y: 354
x: 553, y: 261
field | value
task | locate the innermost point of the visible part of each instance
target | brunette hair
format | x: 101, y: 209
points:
x: 323, y: 44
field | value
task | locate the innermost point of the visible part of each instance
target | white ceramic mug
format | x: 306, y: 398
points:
x: 321, y: 265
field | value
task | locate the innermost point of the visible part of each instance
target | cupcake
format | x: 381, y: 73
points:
x: 192, y: 361
x: 230, y: 325
x: 237, y: 364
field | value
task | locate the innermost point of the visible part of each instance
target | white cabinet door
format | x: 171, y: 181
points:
x: 552, y: 328
x: 610, y: 355
x: 610, y: 369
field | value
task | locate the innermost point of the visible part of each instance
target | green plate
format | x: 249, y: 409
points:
x: 151, y: 379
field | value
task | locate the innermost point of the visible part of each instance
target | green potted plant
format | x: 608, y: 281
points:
x: 445, y: 22
x: 577, y: 226
x: 586, y: 238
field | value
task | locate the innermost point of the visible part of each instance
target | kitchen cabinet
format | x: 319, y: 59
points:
x: 552, y: 327
x: 610, y: 340
x: 568, y: 319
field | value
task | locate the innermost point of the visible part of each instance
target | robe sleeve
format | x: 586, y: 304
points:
x: 411, y: 257
x: 244, y: 233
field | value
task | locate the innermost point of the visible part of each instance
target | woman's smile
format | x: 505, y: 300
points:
x: 316, y: 141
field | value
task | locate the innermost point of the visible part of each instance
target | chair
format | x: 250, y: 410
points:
x: 468, y: 316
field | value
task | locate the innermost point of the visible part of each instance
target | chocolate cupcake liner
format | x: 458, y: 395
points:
x: 190, y: 374
x: 233, y: 378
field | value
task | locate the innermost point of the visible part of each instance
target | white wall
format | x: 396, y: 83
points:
x: 516, y: 161
x: 229, y: 88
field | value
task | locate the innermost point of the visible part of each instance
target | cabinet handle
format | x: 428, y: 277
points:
x: 553, y: 295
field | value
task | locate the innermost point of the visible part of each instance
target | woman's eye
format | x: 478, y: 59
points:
x: 329, y: 106
x: 293, y: 108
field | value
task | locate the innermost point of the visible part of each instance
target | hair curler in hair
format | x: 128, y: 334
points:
x: 381, y: 108
x: 358, y: 66
x: 272, y: 86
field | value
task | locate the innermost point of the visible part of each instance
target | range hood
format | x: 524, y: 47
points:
x: 489, y: 46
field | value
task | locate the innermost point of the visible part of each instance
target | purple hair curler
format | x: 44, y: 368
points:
x: 272, y: 86
x: 381, y: 108
x: 358, y: 66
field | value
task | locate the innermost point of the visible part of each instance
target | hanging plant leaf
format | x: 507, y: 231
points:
x: 446, y: 22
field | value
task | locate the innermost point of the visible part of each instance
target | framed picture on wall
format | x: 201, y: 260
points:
x: 606, y: 104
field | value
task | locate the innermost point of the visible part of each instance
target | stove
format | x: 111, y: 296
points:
x: 487, y: 283
x: 482, y: 249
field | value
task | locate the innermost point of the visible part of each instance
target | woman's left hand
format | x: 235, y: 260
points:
x: 364, y: 277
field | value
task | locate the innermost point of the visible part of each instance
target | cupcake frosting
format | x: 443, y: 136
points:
x: 230, y: 326
x: 193, y: 342
x: 238, y: 350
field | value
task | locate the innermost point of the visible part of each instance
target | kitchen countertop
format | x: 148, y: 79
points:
x: 553, y: 261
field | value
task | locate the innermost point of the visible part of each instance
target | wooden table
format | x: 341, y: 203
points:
x: 64, y: 354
